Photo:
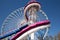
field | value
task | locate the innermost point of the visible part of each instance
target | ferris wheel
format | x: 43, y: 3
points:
x: 29, y: 22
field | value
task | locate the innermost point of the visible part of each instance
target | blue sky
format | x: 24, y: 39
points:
x: 50, y: 7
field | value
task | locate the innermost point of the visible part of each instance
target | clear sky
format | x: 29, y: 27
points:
x: 50, y: 7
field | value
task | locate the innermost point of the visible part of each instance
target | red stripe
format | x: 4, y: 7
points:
x: 30, y: 3
x: 31, y: 27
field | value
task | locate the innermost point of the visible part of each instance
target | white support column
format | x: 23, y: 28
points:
x: 32, y: 19
x: 32, y: 36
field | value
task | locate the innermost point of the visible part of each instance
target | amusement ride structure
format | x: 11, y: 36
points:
x: 26, y: 23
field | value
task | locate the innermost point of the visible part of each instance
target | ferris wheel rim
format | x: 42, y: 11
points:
x: 15, y: 10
